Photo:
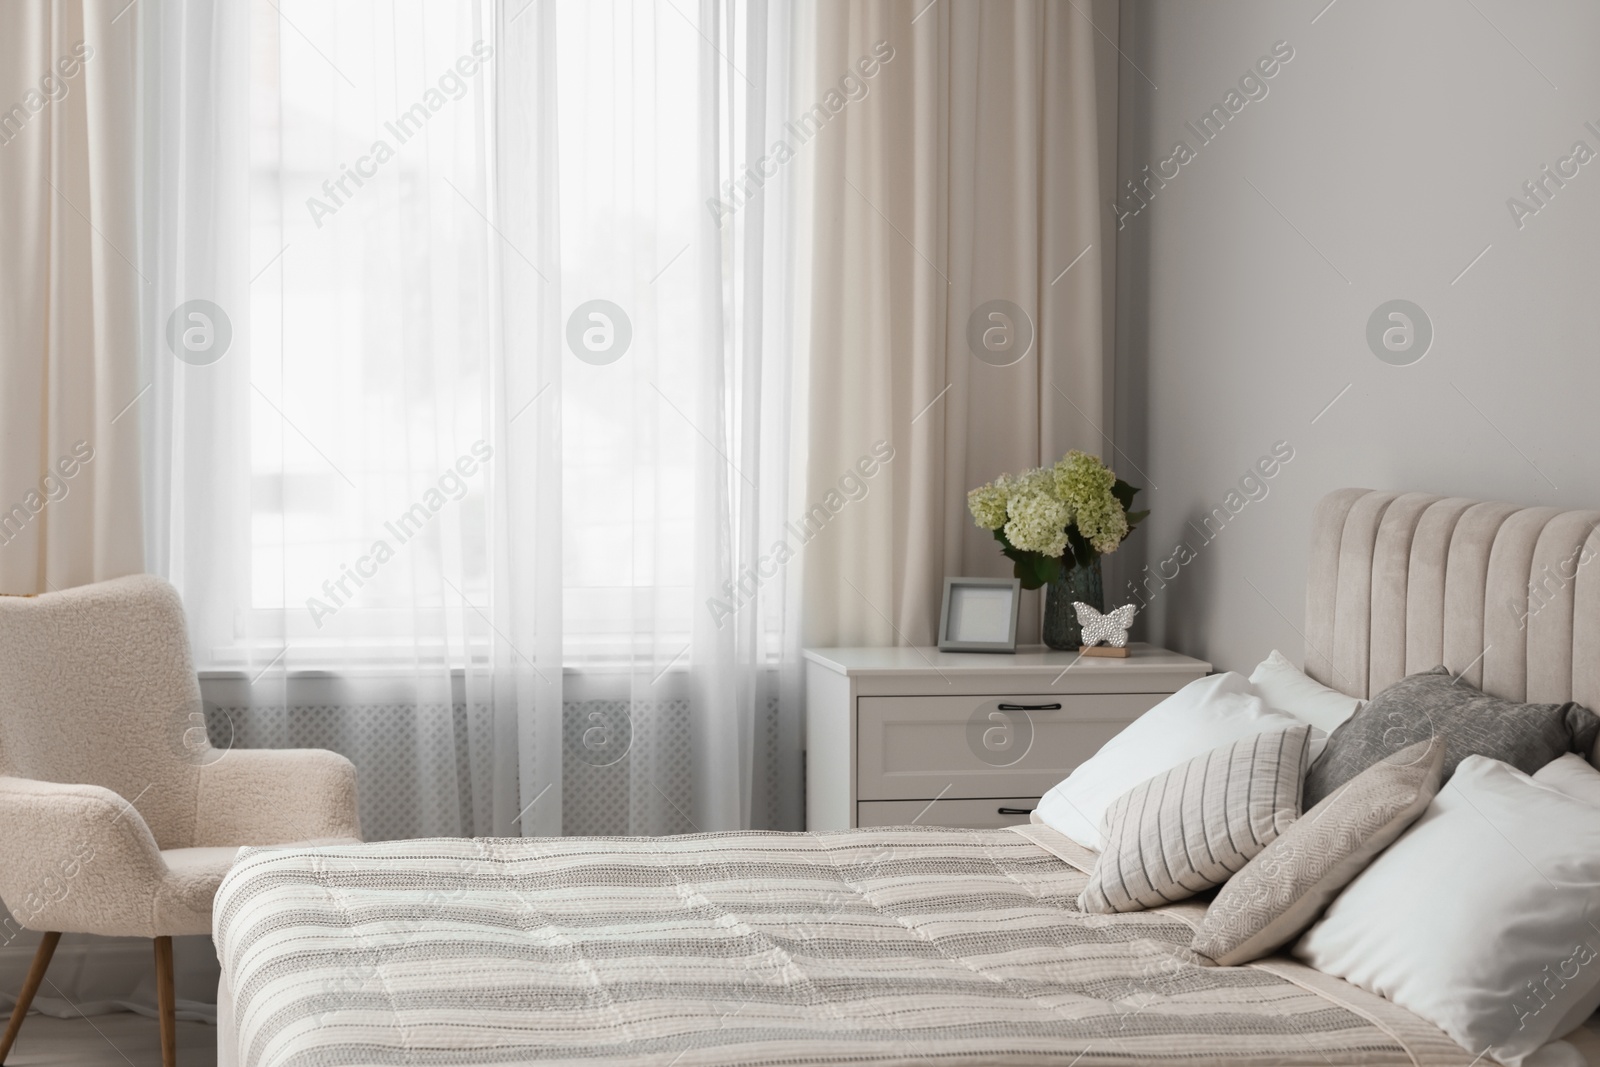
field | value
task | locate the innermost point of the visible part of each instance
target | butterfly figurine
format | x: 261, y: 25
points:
x: 1112, y: 627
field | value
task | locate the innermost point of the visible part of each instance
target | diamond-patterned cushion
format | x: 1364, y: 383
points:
x: 1282, y: 891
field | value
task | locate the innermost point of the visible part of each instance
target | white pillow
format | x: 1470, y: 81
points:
x: 1203, y: 715
x: 1287, y: 688
x: 1573, y: 775
x: 1488, y: 898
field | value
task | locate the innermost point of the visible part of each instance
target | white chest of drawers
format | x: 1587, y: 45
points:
x: 902, y: 735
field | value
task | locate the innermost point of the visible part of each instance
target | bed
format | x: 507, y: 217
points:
x: 908, y: 945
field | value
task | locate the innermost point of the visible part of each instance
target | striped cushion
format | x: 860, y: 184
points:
x: 1191, y: 827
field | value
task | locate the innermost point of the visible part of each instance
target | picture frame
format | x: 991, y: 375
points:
x: 979, y: 615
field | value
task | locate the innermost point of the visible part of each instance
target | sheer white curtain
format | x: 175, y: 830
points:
x: 320, y: 338
x: 431, y: 504
x: 675, y: 443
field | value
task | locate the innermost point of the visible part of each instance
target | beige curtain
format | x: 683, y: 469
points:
x: 965, y: 167
x: 69, y: 286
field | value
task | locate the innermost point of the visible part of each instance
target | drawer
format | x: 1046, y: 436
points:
x: 973, y: 814
x: 972, y: 747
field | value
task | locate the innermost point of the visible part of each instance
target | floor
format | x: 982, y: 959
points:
x: 122, y: 1039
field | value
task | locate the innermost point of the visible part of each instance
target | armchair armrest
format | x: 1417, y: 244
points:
x: 78, y: 859
x: 262, y: 796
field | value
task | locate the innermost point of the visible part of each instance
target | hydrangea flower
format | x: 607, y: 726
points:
x: 1103, y: 524
x: 1037, y: 522
x: 1036, y: 510
x: 1035, y: 480
x: 1084, y: 482
x: 988, y: 503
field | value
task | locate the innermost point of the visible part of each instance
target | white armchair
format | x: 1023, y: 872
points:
x: 116, y: 815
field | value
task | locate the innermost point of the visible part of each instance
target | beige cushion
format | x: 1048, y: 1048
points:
x: 191, y: 879
x: 1283, y: 890
x: 183, y: 901
x: 1190, y: 827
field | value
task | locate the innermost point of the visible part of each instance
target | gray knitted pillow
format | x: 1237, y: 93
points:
x: 1473, y: 723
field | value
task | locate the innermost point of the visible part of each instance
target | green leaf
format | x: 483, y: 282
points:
x: 1032, y: 569
x: 1079, y: 550
x: 1037, y: 572
x: 1124, y: 493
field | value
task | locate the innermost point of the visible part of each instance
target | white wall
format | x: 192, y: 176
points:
x: 1388, y: 147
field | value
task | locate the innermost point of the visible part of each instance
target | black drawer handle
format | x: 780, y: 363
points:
x: 1030, y: 707
x: 1015, y: 811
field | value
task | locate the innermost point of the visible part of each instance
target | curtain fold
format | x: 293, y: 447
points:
x: 70, y: 291
x: 956, y: 184
x: 528, y: 700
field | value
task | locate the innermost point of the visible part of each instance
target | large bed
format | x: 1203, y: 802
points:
x: 909, y: 945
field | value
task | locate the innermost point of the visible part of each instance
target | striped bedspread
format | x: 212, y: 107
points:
x: 905, y: 945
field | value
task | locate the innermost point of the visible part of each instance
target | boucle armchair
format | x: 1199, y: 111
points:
x: 117, y: 817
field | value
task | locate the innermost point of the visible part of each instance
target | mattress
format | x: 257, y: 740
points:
x: 907, y: 945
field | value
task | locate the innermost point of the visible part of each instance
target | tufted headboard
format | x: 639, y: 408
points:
x: 1507, y: 596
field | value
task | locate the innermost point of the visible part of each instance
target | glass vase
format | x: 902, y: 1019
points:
x: 1074, y: 583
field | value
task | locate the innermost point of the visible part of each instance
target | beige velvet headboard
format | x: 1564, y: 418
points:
x: 1507, y: 596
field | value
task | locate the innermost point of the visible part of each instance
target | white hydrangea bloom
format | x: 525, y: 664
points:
x: 1037, y: 522
x: 1103, y: 524
x: 988, y: 503
x: 1034, y: 509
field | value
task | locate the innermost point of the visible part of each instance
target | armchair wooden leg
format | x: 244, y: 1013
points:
x: 166, y: 1002
x: 41, y: 961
